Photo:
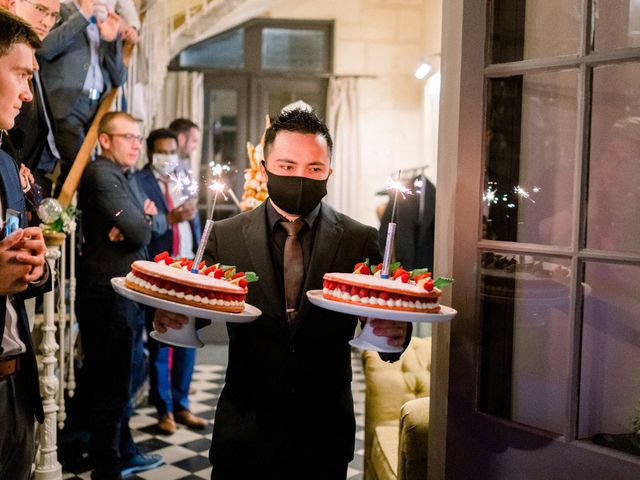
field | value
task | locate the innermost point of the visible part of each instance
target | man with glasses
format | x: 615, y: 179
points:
x: 81, y: 60
x: 31, y: 140
x: 117, y: 225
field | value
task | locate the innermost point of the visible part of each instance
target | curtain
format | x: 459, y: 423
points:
x: 343, y: 123
x: 183, y: 97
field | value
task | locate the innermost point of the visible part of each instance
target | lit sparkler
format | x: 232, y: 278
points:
x: 398, y: 188
x: 184, y: 185
x: 217, y: 187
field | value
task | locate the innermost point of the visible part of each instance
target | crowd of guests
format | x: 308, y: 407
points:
x: 72, y: 58
x: 293, y: 363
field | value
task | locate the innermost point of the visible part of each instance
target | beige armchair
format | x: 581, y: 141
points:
x: 397, y: 414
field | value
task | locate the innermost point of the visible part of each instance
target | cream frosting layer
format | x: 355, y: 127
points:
x: 377, y: 301
x: 173, y: 293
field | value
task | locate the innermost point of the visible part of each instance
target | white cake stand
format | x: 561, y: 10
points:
x: 187, y: 336
x: 367, y: 340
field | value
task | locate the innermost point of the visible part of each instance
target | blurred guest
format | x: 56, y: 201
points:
x: 23, y: 270
x: 188, y: 140
x: 81, y: 60
x: 117, y: 227
x: 170, y: 387
x: 31, y: 140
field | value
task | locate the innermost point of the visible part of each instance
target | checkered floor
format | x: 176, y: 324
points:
x: 186, y: 451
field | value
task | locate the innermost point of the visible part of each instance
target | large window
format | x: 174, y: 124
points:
x: 559, y: 258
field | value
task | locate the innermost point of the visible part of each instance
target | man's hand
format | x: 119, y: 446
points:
x: 32, y: 251
x: 129, y: 34
x: 396, y: 332
x: 183, y: 213
x: 150, y: 208
x: 13, y: 273
x: 26, y: 178
x: 163, y: 320
x: 110, y: 27
x: 115, y: 235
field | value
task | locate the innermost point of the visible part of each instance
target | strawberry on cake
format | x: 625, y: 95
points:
x: 407, y: 291
x: 217, y: 287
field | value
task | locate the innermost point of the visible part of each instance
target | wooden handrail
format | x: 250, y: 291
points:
x: 83, y: 157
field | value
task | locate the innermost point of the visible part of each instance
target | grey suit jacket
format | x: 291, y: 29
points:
x: 65, y: 58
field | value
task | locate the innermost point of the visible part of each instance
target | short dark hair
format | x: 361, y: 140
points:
x: 296, y: 120
x: 159, y: 134
x: 14, y: 30
x: 182, y: 125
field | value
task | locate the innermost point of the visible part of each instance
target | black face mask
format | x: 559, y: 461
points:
x: 295, y: 195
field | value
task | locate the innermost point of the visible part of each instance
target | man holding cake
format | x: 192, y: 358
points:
x: 294, y: 362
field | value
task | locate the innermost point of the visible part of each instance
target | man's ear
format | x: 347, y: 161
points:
x: 182, y: 138
x: 105, y: 141
x: 263, y: 169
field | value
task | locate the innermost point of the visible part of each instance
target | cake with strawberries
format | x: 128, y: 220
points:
x: 407, y: 291
x: 215, y: 287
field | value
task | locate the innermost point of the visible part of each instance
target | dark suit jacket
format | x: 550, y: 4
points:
x: 12, y: 197
x: 28, y: 137
x: 107, y: 200
x: 415, y: 220
x: 161, y: 242
x: 65, y: 57
x: 277, y: 379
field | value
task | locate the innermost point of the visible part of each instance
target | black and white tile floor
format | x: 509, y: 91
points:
x: 186, y: 451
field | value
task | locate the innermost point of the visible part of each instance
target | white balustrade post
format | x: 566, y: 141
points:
x: 71, y: 378
x: 47, y: 465
x: 62, y: 323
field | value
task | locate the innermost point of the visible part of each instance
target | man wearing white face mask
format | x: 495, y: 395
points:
x: 169, y: 391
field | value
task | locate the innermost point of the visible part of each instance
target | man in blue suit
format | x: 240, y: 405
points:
x: 23, y: 271
x: 170, y: 390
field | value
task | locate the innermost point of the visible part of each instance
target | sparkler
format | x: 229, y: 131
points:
x: 401, y: 189
x: 218, y: 188
x: 184, y: 185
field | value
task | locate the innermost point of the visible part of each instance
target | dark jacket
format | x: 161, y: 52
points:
x: 162, y: 241
x: 286, y: 391
x: 28, y: 138
x: 12, y: 197
x: 107, y: 200
x: 65, y: 57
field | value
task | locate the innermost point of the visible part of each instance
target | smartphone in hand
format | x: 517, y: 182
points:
x: 12, y: 222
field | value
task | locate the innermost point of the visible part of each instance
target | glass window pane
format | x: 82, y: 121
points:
x: 525, y: 338
x: 610, y: 378
x: 294, y: 49
x: 522, y: 30
x: 613, y: 221
x: 220, y: 142
x: 222, y: 51
x: 617, y: 24
x: 531, y: 158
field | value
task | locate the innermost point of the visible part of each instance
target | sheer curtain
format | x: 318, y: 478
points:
x: 344, y: 125
x: 183, y: 96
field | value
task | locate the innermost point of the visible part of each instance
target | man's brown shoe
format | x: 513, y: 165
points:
x: 166, y: 424
x: 185, y: 417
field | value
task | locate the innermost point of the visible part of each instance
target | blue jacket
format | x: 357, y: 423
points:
x: 12, y: 197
